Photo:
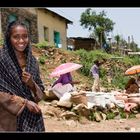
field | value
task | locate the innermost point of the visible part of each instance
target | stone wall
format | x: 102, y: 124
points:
x: 21, y: 14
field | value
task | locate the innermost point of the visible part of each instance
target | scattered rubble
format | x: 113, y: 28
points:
x: 73, y: 109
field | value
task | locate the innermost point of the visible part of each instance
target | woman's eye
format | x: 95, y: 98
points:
x: 24, y: 36
x: 17, y: 37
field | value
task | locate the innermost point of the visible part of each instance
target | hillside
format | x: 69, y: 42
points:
x: 50, y: 58
x: 112, y: 71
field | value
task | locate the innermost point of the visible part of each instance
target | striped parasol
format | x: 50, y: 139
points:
x: 133, y: 70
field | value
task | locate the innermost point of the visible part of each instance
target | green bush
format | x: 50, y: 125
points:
x: 135, y: 60
x: 42, y: 59
x: 128, y: 61
x: 118, y: 79
x: 117, y: 72
x: 87, y: 59
x: 44, y: 44
x: 110, y: 115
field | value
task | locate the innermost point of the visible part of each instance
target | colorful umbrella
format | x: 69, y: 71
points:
x: 65, y: 68
x: 133, y: 70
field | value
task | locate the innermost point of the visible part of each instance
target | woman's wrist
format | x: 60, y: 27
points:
x: 25, y: 102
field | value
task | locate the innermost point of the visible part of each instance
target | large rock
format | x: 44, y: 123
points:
x: 78, y: 98
x: 82, y: 110
x: 97, y: 116
x: 50, y: 113
x: 49, y: 95
x: 66, y: 104
x: 69, y: 115
x: 54, y: 103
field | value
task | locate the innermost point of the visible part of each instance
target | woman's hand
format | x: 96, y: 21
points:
x: 27, y: 79
x: 33, y: 107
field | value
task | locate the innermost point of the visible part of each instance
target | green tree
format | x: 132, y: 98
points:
x: 123, y: 42
x: 134, y: 46
x: 117, y: 39
x: 99, y: 24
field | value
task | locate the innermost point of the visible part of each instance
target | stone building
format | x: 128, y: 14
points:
x: 44, y: 24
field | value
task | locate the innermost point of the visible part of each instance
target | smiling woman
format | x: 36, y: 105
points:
x: 20, y: 85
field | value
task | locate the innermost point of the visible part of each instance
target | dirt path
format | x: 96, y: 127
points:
x: 123, y: 125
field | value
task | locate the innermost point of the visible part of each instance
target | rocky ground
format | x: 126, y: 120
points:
x: 54, y: 123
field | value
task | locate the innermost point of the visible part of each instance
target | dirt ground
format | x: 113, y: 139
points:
x: 122, y: 125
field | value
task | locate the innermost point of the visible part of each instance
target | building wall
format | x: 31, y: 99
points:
x: 22, y: 14
x: 53, y: 23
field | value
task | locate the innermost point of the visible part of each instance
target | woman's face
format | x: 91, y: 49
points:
x: 19, y: 38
